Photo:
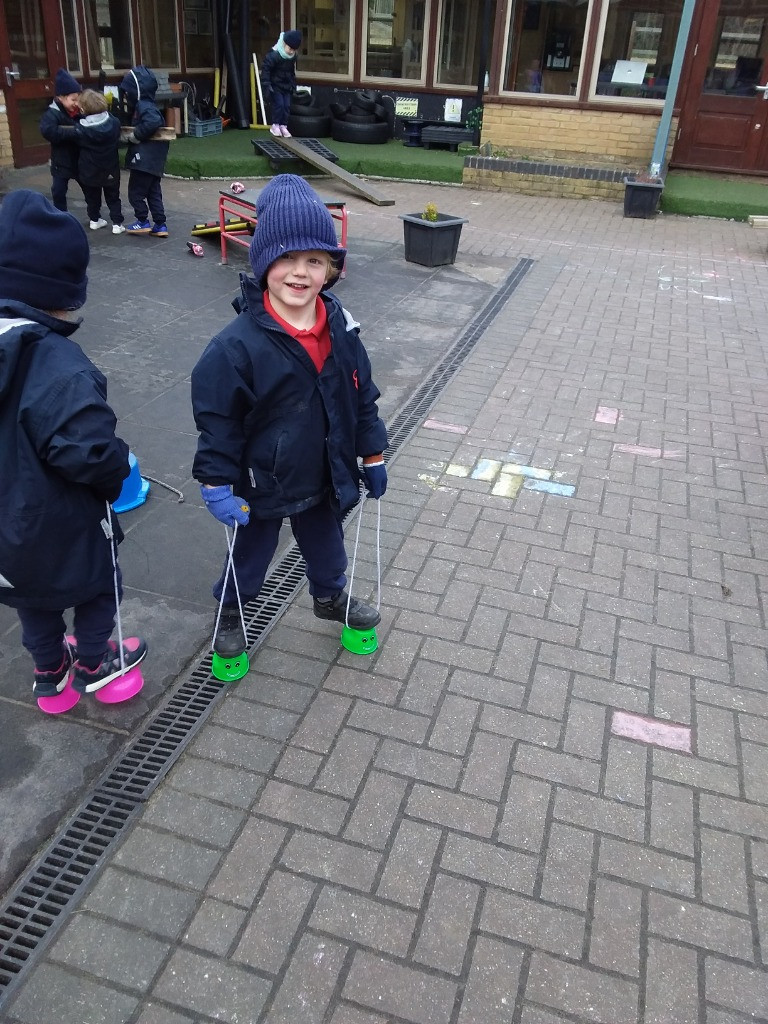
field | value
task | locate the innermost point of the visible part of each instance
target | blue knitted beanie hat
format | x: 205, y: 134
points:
x: 292, y: 38
x: 44, y: 253
x: 64, y: 84
x: 291, y: 218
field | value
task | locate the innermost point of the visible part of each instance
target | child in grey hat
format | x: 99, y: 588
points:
x: 285, y: 405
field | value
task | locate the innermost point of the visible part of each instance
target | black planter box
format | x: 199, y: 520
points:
x: 641, y: 198
x: 431, y: 243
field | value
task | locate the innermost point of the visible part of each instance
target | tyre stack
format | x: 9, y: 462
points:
x: 368, y: 118
x: 306, y: 120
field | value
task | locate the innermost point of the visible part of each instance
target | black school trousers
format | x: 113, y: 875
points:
x: 320, y: 539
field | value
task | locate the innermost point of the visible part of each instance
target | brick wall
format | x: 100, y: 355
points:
x: 6, y: 157
x: 602, y: 137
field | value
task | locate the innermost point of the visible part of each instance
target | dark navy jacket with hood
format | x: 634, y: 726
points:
x: 99, y: 162
x: 285, y: 436
x: 140, y: 85
x: 56, y: 126
x: 60, y: 460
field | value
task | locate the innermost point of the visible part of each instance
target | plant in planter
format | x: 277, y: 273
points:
x: 642, y: 193
x: 431, y: 238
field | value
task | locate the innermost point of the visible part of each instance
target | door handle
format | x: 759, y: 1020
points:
x: 763, y: 89
x: 10, y: 75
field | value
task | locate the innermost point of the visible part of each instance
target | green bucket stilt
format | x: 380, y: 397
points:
x: 359, y: 641
x: 229, y: 669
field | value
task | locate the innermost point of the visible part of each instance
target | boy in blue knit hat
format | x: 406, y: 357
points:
x: 60, y: 459
x: 56, y: 126
x: 285, y: 405
x: 278, y: 79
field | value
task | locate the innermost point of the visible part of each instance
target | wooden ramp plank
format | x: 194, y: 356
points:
x: 357, y: 184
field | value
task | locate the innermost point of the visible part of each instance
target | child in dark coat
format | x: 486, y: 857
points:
x: 60, y: 459
x: 98, y: 166
x: 285, y: 405
x: 56, y: 126
x: 278, y: 79
x: 145, y: 159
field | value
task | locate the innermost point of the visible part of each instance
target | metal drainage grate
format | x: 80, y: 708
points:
x: 422, y: 400
x: 34, y: 909
x: 52, y: 884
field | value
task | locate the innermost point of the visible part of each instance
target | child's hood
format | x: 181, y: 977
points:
x: 94, y: 120
x: 140, y: 83
x: 19, y: 325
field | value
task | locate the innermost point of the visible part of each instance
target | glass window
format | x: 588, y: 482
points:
x: 71, y: 38
x: 198, y: 33
x: 158, y: 34
x: 326, y: 32
x: 736, y: 60
x: 638, y: 46
x: 394, y: 41
x: 546, y: 38
x: 26, y: 40
x: 460, y: 39
x: 110, y: 43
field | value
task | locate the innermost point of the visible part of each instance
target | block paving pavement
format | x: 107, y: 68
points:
x: 543, y: 798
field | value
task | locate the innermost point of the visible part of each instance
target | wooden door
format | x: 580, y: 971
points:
x: 31, y: 51
x: 724, y: 117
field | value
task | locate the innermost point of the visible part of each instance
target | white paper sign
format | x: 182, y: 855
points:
x: 453, y: 110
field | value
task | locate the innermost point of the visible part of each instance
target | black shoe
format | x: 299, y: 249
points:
x: 230, y: 639
x: 358, y: 616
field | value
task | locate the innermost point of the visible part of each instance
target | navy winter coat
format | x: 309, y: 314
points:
x: 56, y: 126
x: 59, y: 462
x: 278, y: 73
x: 99, y: 162
x: 140, y: 85
x: 285, y: 436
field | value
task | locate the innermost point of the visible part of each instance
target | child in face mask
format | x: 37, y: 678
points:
x: 278, y: 79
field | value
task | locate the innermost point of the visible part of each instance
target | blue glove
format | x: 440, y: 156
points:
x: 224, y: 505
x: 375, y: 477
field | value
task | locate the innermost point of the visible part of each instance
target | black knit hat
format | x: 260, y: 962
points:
x: 291, y: 218
x: 64, y: 84
x: 43, y: 253
x: 292, y: 38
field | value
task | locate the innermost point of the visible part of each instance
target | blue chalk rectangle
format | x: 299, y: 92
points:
x: 564, y: 490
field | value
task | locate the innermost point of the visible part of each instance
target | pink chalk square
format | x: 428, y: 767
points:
x: 605, y: 414
x: 451, y: 428
x: 651, y: 730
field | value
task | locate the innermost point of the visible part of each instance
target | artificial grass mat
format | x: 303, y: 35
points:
x: 231, y: 154
x: 715, y: 195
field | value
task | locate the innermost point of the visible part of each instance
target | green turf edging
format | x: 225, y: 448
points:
x: 232, y: 154
x: 700, y: 195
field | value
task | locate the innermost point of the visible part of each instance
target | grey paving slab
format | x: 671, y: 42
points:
x: 454, y: 830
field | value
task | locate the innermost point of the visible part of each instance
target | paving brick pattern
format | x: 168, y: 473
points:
x: 450, y: 831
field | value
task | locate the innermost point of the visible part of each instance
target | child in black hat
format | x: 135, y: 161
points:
x: 285, y: 405
x: 278, y: 79
x: 60, y: 458
x: 60, y: 116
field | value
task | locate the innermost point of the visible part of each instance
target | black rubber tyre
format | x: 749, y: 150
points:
x: 388, y: 106
x: 365, y: 99
x: 309, y: 111
x: 310, y: 127
x: 355, y: 117
x: 338, y: 110
x: 364, y: 134
x: 301, y: 99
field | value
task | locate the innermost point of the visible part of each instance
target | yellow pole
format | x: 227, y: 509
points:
x: 216, y: 85
x: 254, y: 108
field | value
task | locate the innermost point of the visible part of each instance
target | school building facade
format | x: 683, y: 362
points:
x: 574, y: 81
